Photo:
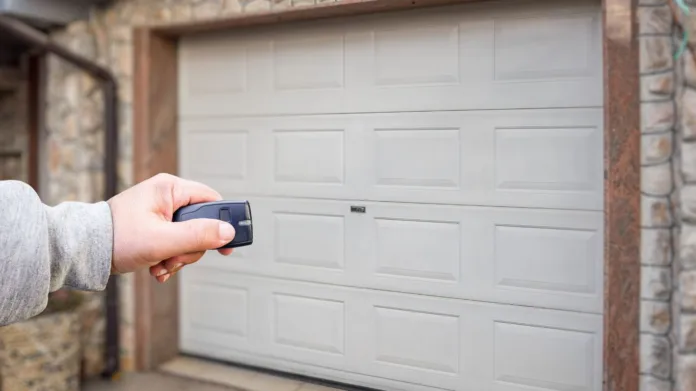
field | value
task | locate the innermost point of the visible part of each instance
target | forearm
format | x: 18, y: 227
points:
x: 45, y: 248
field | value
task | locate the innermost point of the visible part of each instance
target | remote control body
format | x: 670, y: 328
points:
x: 237, y: 213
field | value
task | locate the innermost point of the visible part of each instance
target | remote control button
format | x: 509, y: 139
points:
x: 225, y: 214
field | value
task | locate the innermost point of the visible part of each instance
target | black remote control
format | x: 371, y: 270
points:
x: 237, y: 213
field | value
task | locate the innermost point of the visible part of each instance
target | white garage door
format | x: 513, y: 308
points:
x: 472, y: 138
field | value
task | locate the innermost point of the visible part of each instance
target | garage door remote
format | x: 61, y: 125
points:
x: 237, y: 213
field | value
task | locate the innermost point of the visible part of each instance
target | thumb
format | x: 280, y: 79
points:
x: 196, y: 235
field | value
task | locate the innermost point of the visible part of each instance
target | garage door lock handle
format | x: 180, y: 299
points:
x: 357, y: 209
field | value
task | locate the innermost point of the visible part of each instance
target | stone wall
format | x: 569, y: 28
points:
x: 13, y: 121
x: 659, y: 155
x: 685, y: 300
x: 668, y: 257
x: 41, y: 354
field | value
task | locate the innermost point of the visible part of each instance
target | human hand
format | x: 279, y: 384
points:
x: 145, y: 236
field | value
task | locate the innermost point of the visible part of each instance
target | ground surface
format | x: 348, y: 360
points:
x: 154, y: 382
x: 191, y: 374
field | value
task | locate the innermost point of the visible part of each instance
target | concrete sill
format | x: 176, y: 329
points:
x: 236, y: 378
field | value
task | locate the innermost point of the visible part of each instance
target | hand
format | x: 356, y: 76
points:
x: 145, y: 236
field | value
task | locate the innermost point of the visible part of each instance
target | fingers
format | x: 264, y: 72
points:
x: 167, y: 268
x: 193, y: 236
x: 226, y: 251
x: 187, y: 192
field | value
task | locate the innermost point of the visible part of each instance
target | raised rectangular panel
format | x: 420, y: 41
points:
x: 552, y: 259
x: 541, y: 358
x: 549, y: 159
x: 417, y: 157
x: 215, y: 67
x: 309, y: 240
x: 218, y: 308
x: 309, y: 323
x: 546, y: 47
x: 542, y: 55
x: 310, y: 156
x: 417, y: 55
x: 218, y: 154
x: 420, y: 340
x: 419, y: 249
x: 314, y: 62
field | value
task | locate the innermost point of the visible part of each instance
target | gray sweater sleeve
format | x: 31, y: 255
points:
x: 43, y: 249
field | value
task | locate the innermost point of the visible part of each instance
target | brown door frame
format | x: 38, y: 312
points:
x: 34, y: 97
x: 155, y: 134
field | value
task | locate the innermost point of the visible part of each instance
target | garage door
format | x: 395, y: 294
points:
x: 427, y: 191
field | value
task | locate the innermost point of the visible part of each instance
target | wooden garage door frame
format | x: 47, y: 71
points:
x: 156, y: 144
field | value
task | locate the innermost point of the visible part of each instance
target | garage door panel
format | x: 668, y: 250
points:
x: 522, y: 158
x: 324, y: 162
x: 568, y: 263
x: 518, y: 256
x: 326, y: 333
x: 305, y: 237
x: 309, y: 327
x: 521, y: 352
x: 503, y: 255
x: 304, y: 323
x: 530, y: 158
x: 314, y: 157
x: 494, y: 345
x: 217, y: 313
x: 219, y: 152
x: 547, y: 158
x: 312, y: 240
x: 417, y: 157
x: 297, y: 156
x: 449, y: 344
x: 395, y: 329
x: 428, y: 250
x: 572, y: 369
x: 455, y: 58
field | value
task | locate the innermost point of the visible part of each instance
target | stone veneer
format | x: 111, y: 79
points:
x: 660, y: 179
x: 668, y: 256
x: 685, y: 300
x: 13, y: 135
x: 42, y: 354
x: 668, y: 128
